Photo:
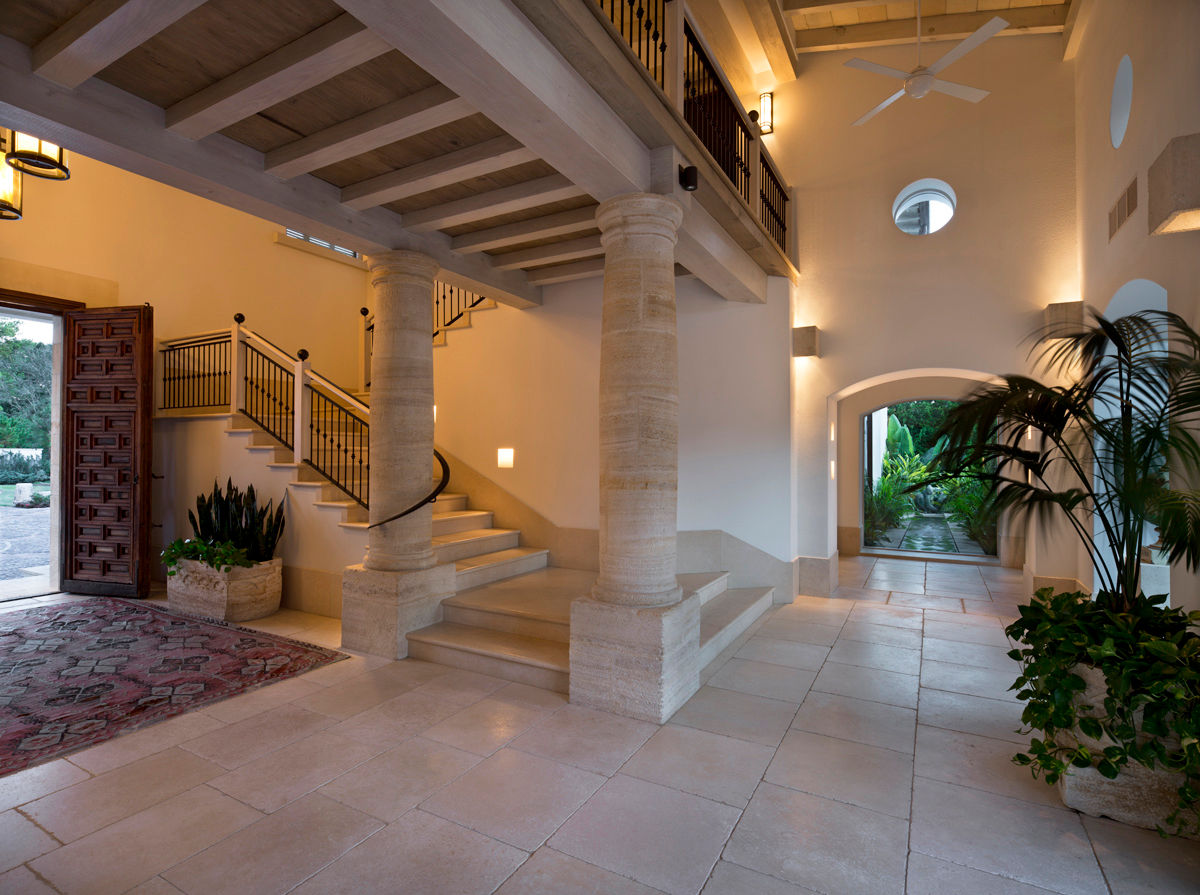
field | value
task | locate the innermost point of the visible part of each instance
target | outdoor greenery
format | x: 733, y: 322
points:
x: 887, y: 504
x: 1095, y: 453
x: 16, y: 468
x: 968, y: 502
x: 923, y: 419
x: 234, y: 517
x: 219, y: 555
x: 25, y: 387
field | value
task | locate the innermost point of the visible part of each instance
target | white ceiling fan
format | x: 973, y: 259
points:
x: 922, y: 79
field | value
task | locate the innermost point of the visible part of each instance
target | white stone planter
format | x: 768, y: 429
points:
x: 1137, y: 796
x: 236, y: 595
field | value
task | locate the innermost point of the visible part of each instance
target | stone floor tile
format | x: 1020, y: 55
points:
x: 821, y: 844
x: 987, y: 682
x: 586, y: 738
x: 868, y: 776
x: 801, y: 631
x: 783, y: 652
x: 391, y: 784
x: 981, y: 763
x: 1140, y: 861
x: 21, y: 840
x: 270, y: 782
x: 705, y: 764
x: 868, y: 683
x: 420, y: 854
x: 461, y: 687
x: 876, y: 655
x: 395, y: 720
x: 484, y: 726
x: 894, y: 583
x: 277, y: 852
x: 819, y: 610
x: 1033, y: 844
x: 735, y: 714
x: 996, y: 718
x: 893, y: 616
x: 955, y: 589
x: 961, y: 618
x: 764, y: 679
x: 37, y: 781
x: 658, y: 836
x: 533, y: 697
x: 988, y: 635
x: 122, y: 750
x: 22, y: 881
x: 359, y: 693
x: 237, y: 744
x: 78, y: 810
x: 900, y: 597
x: 733, y: 879
x: 931, y: 876
x: 873, y: 723
x: 515, y: 797
x: 104, y: 862
x: 887, y: 634
x: 156, y: 885
x: 976, y: 654
x: 549, y: 872
x: 343, y: 670
x: 860, y: 594
x: 239, y: 708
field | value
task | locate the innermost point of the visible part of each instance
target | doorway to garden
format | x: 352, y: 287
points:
x: 899, y: 446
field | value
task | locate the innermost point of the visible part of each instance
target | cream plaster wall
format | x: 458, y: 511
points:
x: 1160, y: 39
x: 963, y: 298
x: 107, y: 236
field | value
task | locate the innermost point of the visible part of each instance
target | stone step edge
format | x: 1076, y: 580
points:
x: 524, y: 615
x: 449, y: 635
x: 476, y: 565
x: 750, y: 595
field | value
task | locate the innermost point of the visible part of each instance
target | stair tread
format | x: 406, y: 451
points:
x: 722, y: 610
x: 471, y: 534
x: 544, y: 595
x: 461, y: 514
x: 709, y: 583
x: 497, y: 556
x: 484, y: 641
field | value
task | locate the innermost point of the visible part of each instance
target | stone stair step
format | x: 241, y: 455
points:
x: 447, y: 501
x: 514, y: 657
x: 488, y: 567
x: 535, y: 604
x: 460, y: 520
x: 472, y: 542
x: 724, y: 619
x: 352, y: 511
x: 707, y: 585
x: 276, y: 453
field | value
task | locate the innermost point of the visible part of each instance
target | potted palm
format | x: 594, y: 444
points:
x: 228, y: 570
x: 1111, y: 683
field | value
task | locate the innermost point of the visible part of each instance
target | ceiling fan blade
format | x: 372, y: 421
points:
x: 991, y: 29
x: 877, y: 68
x: 879, y: 108
x: 962, y: 91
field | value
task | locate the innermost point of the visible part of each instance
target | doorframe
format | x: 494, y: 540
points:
x: 11, y: 299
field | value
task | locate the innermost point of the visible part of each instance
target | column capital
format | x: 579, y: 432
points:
x: 639, y: 214
x: 400, y: 266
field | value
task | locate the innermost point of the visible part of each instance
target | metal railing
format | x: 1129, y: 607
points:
x: 270, y: 389
x: 196, y: 372
x: 643, y: 26
x: 714, y: 116
x: 338, y: 443
x: 774, y: 198
x: 450, y: 303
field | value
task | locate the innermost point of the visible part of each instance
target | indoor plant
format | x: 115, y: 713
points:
x: 228, y: 570
x: 1112, y: 685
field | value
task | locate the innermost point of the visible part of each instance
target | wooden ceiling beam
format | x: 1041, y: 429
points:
x: 809, y: 7
x: 1024, y: 20
x: 775, y: 32
x: 566, y: 273
x: 120, y: 129
x: 100, y: 34
x: 1078, y: 13
x: 560, y: 224
x: 474, y: 161
x: 722, y: 43
x: 314, y: 58
x: 571, y: 250
x: 432, y: 108
x: 506, y: 200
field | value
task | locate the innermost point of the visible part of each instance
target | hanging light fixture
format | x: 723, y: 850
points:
x: 10, y: 187
x: 36, y: 157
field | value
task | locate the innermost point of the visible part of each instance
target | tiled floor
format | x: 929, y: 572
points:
x: 853, y: 746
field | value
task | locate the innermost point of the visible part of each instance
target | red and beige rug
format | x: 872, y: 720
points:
x: 76, y: 674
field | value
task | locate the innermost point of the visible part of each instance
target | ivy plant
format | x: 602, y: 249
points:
x: 220, y: 555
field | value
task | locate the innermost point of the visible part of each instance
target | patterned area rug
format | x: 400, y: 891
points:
x: 76, y: 674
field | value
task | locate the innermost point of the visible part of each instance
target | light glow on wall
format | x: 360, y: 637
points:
x: 832, y: 470
x: 505, y: 458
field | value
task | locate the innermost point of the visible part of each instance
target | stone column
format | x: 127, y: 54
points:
x: 398, y: 587
x: 635, y: 643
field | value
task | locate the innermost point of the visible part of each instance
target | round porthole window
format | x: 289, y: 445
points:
x: 1122, y: 102
x: 924, y: 206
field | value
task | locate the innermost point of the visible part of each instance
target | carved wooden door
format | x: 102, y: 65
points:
x: 106, y: 426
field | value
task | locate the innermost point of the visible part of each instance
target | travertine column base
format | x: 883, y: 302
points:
x: 380, y: 607
x: 641, y: 662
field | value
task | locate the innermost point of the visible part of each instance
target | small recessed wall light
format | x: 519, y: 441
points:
x: 806, y: 341
x: 832, y: 470
x: 833, y: 432
x: 435, y: 413
x: 1064, y: 315
x: 505, y: 457
x: 766, y: 113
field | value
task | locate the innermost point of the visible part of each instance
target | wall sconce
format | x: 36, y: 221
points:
x: 504, y: 458
x: 435, y: 413
x: 1174, y: 187
x: 766, y: 113
x: 35, y: 157
x: 1064, y: 315
x: 806, y: 341
x: 10, y: 193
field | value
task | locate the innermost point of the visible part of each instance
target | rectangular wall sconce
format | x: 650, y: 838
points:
x: 766, y: 113
x: 806, y: 341
x: 1064, y: 315
x: 1174, y: 187
x: 505, y: 457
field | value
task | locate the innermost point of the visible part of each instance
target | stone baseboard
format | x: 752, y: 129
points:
x: 379, y: 608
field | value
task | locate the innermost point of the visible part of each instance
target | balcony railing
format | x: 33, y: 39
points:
x: 660, y: 35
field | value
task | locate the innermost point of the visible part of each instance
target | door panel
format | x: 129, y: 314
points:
x: 107, y: 419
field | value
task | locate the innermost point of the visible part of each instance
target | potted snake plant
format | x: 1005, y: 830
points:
x: 228, y: 569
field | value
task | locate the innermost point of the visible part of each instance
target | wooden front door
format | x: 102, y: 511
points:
x: 106, y: 426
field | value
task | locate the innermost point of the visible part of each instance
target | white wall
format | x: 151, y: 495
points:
x: 963, y: 298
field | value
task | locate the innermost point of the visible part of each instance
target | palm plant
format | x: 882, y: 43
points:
x: 1098, y: 450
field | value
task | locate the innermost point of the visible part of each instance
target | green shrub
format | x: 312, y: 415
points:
x: 220, y: 556
x: 16, y: 468
x: 886, y: 505
x: 36, y: 501
x: 899, y: 438
x: 235, y: 518
x: 970, y: 502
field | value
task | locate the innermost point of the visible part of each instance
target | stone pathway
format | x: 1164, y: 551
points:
x: 930, y: 533
x: 24, y: 540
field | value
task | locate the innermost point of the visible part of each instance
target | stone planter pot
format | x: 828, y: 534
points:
x: 1138, y: 796
x: 236, y: 595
